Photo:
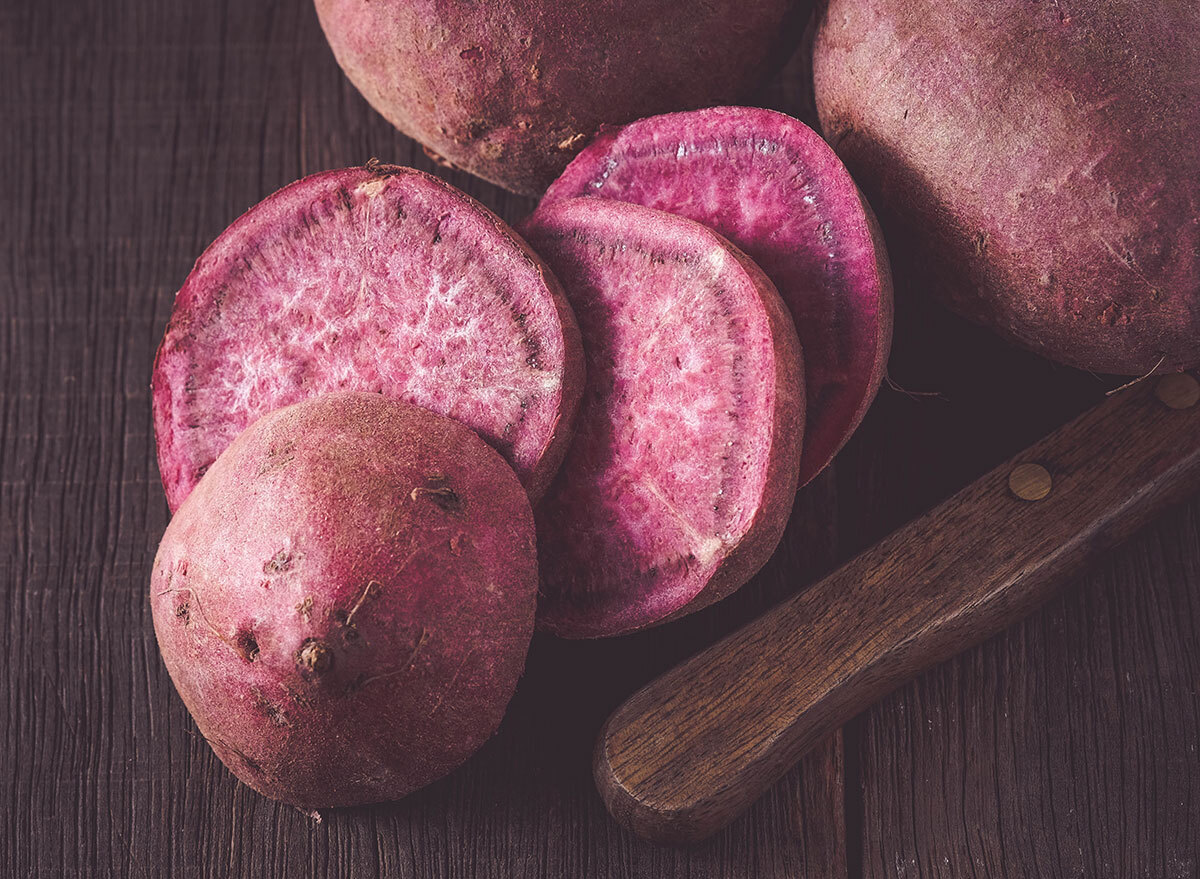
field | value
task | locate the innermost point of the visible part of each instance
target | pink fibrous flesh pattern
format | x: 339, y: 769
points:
x: 670, y: 454
x: 774, y: 188
x: 354, y: 281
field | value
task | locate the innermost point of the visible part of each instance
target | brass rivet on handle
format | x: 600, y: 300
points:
x: 1179, y: 391
x: 1029, y: 482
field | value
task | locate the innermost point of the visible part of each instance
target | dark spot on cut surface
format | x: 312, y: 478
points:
x: 183, y: 612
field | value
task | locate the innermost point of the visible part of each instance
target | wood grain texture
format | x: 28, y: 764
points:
x: 1047, y: 750
x: 132, y: 133
x: 1066, y: 747
x: 692, y: 749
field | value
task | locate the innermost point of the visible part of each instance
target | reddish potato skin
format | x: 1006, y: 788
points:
x: 1038, y: 163
x: 511, y: 91
x: 346, y: 599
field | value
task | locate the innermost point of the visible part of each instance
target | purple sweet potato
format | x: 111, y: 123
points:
x: 773, y: 187
x: 1037, y: 164
x: 346, y: 599
x: 680, y: 479
x: 377, y: 279
x: 510, y: 91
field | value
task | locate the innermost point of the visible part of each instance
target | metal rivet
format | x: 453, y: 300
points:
x: 1029, y: 482
x: 1179, y: 391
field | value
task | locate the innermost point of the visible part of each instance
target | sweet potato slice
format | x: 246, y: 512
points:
x: 680, y: 479
x: 379, y: 279
x: 772, y: 186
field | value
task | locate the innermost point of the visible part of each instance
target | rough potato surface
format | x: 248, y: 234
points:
x: 346, y: 599
x: 510, y: 91
x: 1037, y: 165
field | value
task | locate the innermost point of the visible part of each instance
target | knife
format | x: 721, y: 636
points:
x: 694, y: 748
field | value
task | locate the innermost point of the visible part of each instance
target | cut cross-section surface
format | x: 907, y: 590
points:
x: 381, y: 279
x: 680, y: 479
x: 773, y: 187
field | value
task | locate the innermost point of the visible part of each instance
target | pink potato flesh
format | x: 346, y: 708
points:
x: 345, y: 601
x: 379, y: 279
x: 773, y: 187
x: 679, y: 482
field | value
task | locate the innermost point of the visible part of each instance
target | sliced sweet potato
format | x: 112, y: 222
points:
x: 680, y: 479
x: 379, y: 279
x: 773, y: 187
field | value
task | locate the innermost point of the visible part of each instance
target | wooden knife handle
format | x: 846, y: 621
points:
x: 690, y: 751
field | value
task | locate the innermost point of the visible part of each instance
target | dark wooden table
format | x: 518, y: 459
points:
x: 131, y: 133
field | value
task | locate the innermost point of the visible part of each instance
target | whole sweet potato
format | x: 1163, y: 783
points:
x: 1037, y: 164
x: 345, y: 600
x: 510, y: 91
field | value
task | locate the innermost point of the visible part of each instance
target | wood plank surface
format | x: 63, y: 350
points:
x: 131, y: 133
x: 1066, y: 747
